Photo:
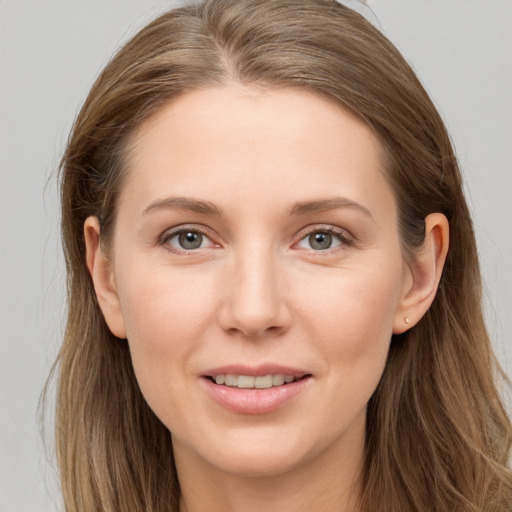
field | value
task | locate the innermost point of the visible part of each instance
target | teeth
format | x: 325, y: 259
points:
x: 231, y: 380
x: 277, y: 380
x: 245, y: 381
x: 263, y: 382
x: 249, y: 382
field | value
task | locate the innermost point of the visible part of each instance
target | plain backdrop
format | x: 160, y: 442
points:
x: 51, y: 50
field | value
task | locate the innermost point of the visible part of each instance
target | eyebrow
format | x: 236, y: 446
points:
x: 183, y: 203
x: 298, y: 209
x: 324, y: 205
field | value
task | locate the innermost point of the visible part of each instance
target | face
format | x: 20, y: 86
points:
x: 257, y: 268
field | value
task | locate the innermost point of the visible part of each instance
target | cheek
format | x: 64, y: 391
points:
x: 351, y: 321
x: 356, y: 307
x: 163, y: 305
x: 165, y: 313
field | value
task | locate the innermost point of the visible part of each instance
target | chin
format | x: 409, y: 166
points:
x: 258, y: 463
x: 257, y: 452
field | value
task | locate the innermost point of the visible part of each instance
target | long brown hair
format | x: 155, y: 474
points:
x: 438, y: 437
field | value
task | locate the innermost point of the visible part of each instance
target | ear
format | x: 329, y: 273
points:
x: 102, y: 275
x: 423, y: 274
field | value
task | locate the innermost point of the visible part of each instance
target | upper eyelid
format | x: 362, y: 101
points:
x: 185, y: 227
x: 329, y: 228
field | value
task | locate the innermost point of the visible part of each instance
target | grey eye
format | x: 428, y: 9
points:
x: 320, y: 241
x: 187, y: 239
x: 190, y: 240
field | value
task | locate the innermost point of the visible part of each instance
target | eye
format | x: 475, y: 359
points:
x: 323, y: 240
x: 187, y: 240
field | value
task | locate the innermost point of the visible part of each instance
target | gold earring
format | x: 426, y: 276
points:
x: 406, y: 320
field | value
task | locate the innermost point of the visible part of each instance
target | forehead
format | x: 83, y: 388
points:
x: 213, y: 142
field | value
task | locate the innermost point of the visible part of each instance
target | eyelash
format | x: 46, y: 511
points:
x: 345, y: 239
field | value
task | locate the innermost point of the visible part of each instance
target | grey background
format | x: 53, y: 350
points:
x: 50, y: 52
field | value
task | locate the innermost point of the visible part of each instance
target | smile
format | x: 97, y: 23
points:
x: 254, y: 382
x: 255, y: 390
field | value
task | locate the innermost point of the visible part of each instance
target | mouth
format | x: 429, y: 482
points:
x: 255, y: 381
x: 255, y: 390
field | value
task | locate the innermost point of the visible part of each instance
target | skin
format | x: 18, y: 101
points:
x: 256, y: 291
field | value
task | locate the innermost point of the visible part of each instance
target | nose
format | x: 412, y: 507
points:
x: 254, y: 302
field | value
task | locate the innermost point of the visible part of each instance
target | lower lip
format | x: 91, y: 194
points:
x: 254, y: 401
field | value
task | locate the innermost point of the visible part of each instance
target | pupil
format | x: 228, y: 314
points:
x: 320, y: 240
x: 191, y: 240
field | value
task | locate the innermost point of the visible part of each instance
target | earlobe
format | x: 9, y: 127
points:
x: 102, y: 276
x: 424, y: 274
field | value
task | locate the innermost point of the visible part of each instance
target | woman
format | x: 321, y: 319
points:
x: 274, y: 294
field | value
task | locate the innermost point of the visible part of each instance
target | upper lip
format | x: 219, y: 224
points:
x: 256, y: 371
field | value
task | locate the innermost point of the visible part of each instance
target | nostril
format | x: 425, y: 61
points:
x: 254, y: 333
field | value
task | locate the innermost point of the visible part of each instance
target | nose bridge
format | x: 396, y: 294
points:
x: 254, y: 304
